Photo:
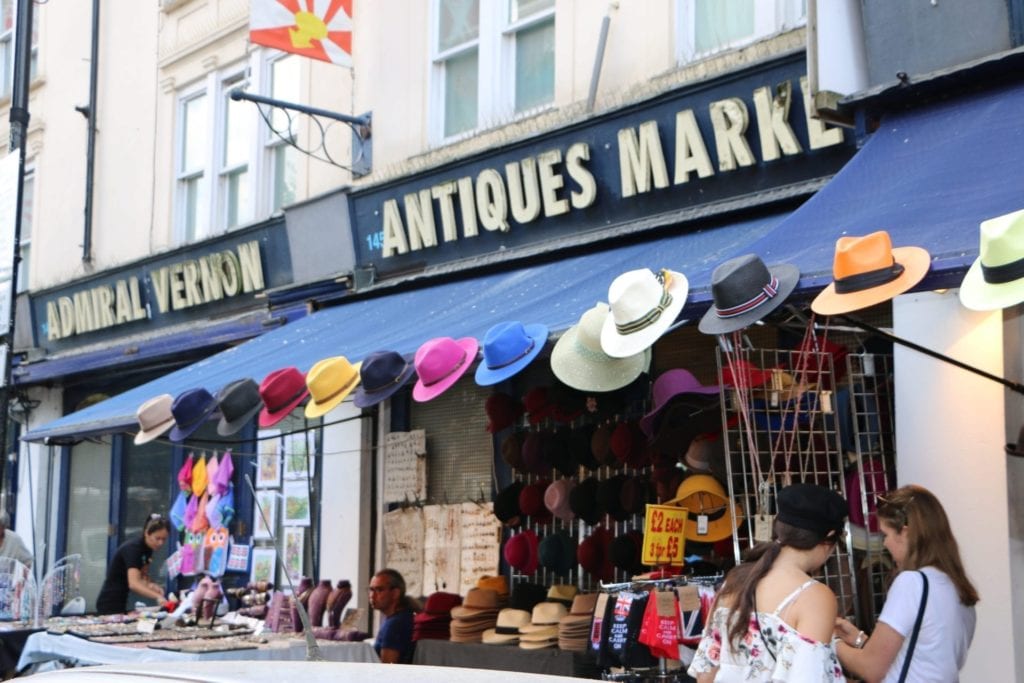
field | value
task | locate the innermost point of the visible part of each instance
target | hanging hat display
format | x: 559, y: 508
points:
x: 869, y: 270
x: 643, y: 306
x: 329, y: 382
x: 381, y: 375
x: 502, y: 411
x: 191, y: 409
x: 282, y: 391
x: 703, y: 495
x: 154, y: 418
x: 556, y: 499
x: 745, y: 290
x: 440, y: 362
x: 508, y: 348
x: 238, y: 402
x: 521, y: 552
x: 996, y: 278
x: 670, y: 384
x: 593, y: 554
x: 578, y: 361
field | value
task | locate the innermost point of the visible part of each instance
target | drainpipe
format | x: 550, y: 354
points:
x: 602, y: 40
x: 89, y: 112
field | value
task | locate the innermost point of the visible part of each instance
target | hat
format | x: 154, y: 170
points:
x: 329, y: 382
x: 441, y: 602
x: 440, y: 362
x: 583, y: 605
x: 533, y: 454
x: 578, y: 443
x: 609, y: 497
x: 670, y: 384
x: 744, y: 290
x: 996, y: 278
x: 502, y: 411
x: 601, y: 447
x: 545, y: 616
x: 506, y: 629
x: 557, y: 552
x: 498, y: 584
x: 531, y: 501
x: 237, y: 401
x: 563, y: 593
x: 743, y: 371
x: 698, y: 455
x: 578, y: 361
x: 643, y: 307
x: 191, y: 409
x: 555, y: 450
x: 506, y: 503
x: 811, y: 507
x: 593, y: 554
x: 508, y: 348
x: 625, y: 551
x: 380, y: 376
x: 154, y: 418
x: 868, y: 271
x: 521, y: 552
x: 1017, y: 449
x: 636, y: 493
x: 627, y: 444
x: 282, y: 391
x: 556, y: 499
x: 685, y: 416
x: 537, y: 406
x: 702, y: 494
x: 583, y: 501
x: 526, y: 595
x: 512, y: 451
x: 478, y: 602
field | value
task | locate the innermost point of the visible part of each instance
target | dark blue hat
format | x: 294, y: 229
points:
x: 508, y: 348
x: 381, y: 375
x: 191, y: 409
x: 558, y: 553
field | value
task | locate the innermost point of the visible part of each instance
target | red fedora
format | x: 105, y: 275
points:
x: 282, y: 391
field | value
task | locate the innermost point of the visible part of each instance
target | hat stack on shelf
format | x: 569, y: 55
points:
x: 542, y: 631
x: 477, y: 613
x: 434, y: 622
x: 507, y: 629
x: 574, y: 628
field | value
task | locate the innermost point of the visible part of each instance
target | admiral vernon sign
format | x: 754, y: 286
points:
x: 749, y: 133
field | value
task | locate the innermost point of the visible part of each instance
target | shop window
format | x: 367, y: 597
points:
x: 478, y: 48
x: 8, y: 23
x: 706, y: 27
x: 235, y: 186
x: 88, y: 513
x: 282, y: 156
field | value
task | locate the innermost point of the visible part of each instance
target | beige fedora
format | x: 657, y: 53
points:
x: 155, y: 418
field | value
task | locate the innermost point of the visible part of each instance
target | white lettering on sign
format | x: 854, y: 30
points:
x: 177, y: 286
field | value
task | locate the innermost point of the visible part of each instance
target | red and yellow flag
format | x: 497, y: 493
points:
x: 321, y: 29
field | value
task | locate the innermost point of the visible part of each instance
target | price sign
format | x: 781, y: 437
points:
x: 664, y: 542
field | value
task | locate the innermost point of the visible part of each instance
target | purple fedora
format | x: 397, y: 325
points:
x: 670, y: 384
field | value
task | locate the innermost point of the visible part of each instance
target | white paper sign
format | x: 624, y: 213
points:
x: 403, y: 546
x: 442, y: 548
x: 405, y: 466
x: 481, y: 539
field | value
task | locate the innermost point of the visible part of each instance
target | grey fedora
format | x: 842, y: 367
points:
x: 238, y: 402
x: 744, y: 290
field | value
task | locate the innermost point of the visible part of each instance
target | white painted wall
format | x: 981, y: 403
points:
x: 950, y: 434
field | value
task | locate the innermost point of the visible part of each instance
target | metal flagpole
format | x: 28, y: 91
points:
x: 19, y: 133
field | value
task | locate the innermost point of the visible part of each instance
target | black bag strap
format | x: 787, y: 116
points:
x: 917, y: 628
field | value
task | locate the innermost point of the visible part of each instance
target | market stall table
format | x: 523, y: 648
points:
x: 12, y: 641
x: 550, y: 661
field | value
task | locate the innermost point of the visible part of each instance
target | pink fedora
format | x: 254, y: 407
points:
x: 440, y: 363
x: 670, y: 384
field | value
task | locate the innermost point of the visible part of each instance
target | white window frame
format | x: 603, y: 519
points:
x: 268, y: 142
x: 496, y: 57
x: 8, y: 47
x: 770, y: 17
x: 227, y: 82
x: 25, y: 240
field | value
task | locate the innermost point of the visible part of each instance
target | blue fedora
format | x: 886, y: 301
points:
x: 381, y: 375
x: 508, y: 348
x: 191, y: 409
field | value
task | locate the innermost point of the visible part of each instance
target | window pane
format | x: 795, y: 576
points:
x: 7, y: 55
x: 8, y: 15
x: 146, y: 485
x: 458, y: 23
x: 284, y: 85
x: 237, y: 130
x: 535, y: 66
x: 196, y: 223
x: 460, y: 93
x: 285, y: 171
x: 721, y: 22
x: 88, y: 512
x: 238, y: 197
x: 27, y: 194
x: 194, y: 136
x: 520, y: 9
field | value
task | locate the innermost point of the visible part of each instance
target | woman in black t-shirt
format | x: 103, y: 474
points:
x: 129, y: 570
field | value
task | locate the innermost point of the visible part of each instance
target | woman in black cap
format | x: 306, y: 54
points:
x: 771, y: 620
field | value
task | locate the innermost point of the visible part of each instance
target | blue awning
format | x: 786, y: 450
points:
x: 929, y: 176
x: 554, y: 293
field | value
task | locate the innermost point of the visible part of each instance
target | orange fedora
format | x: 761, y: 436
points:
x: 869, y: 270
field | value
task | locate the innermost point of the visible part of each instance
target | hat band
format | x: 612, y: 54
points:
x: 343, y: 388
x: 872, y: 278
x: 507, y: 630
x: 284, y: 404
x: 648, y: 318
x: 432, y: 382
x: 1000, y: 275
x: 387, y: 385
x: 524, y: 354
x: 767, y: 292
x: 712, y: 516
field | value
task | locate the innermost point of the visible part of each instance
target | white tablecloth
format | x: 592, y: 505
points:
x: 44, y: 647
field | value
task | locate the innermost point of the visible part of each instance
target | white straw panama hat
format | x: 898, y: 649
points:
x: 996, y: 279
x: 643, y: 306
x: 578, y: 361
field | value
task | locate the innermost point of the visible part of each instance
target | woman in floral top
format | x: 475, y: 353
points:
x: 772, y: 621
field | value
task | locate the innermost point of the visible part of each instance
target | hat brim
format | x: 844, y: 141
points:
x: 144, y: 436
x: 787, y: 275
x: 647, y: 421
x: 586, y: 370
x: 270, y: 418
x: 915, y: 261
x: 624, y: 345
x: 367, y: 399
x: 178, y: 434
x: 315, y: 409
x: 423, y: 393
x: 492, y: 637
x: 718, y: 529
x: 978, y: 295
x: 229, y: 427
x: 486, y: 376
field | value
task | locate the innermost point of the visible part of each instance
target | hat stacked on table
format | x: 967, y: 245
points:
x: 542, y: 631
x: 507, y: 629
x: 498, y: 584
x: 434, y: 622
x: 477, y: 613
x: 574, y: 628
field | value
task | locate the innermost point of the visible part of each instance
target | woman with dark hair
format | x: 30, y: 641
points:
x: 394, y: 644
x: 772, y: 621
x: 918, y: 536
x: 129, y: 570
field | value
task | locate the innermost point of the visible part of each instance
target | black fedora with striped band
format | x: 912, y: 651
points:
x: 744, y: 290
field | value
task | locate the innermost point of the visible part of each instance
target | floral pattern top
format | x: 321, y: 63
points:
x: 770, y: 651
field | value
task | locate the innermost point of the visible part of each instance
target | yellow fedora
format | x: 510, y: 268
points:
x: 329, y: 382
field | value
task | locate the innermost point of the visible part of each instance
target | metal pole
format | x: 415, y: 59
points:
x: 19, y: 133
x: 602, y: 40
x: 90, y: 115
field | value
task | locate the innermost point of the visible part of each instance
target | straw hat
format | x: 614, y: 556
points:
x: 996, y: 279
x: 507, y: 629
x: 578, y: 361
x: 643, y: 306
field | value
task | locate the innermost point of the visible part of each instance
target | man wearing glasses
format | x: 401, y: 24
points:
x: 394, y: 638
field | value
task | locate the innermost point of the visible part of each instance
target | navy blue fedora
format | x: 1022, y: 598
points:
x: 191, y: 409
x: 381, y: 375
x: 508, y: 348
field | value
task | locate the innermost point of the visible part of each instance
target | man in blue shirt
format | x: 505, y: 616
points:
x: 394, y: 638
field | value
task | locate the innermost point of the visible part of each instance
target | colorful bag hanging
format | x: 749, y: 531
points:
x: 226, y: 506
x: 185, y: 475
x: 211, y: 474
x: 195, y: 542
x: 213, y: 514
x: 173, y: 564
x: 188, y: 560
x: 225, y: 471
x: 215, y: 550
x: 199, y: 479
x: 178, y: 511
x: 200, y: 523
x: 190, y: 511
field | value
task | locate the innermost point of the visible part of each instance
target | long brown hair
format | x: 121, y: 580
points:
x: 741, y: 583
x: 930, y: 541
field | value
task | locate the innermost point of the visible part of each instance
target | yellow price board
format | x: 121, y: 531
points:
x: 664, y: 541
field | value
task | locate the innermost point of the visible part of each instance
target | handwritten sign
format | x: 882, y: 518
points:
x: 442, y: 547
x: 664, y: 542
x: 481, y: 540
x: 405, y: 466
x: 403, y: 546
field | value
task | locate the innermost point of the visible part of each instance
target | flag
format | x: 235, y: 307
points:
x: 321, y: 29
